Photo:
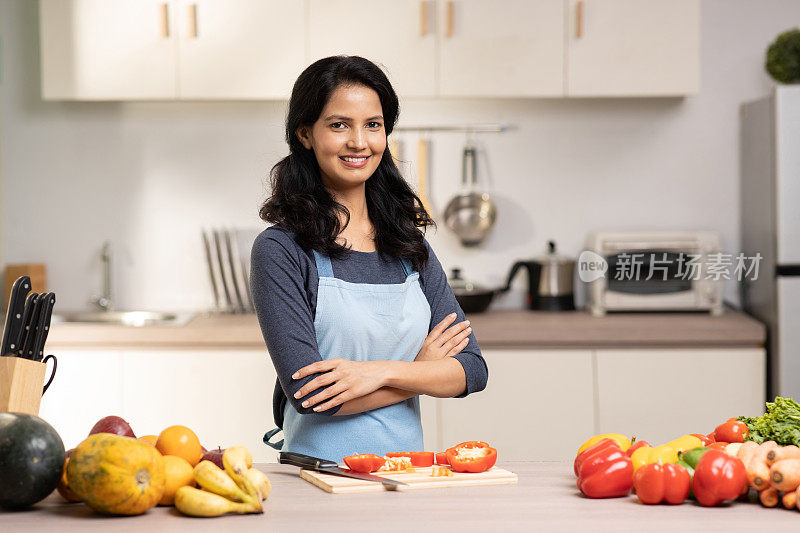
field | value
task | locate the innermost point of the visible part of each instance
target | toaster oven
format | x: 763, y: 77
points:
x: 652, y: 271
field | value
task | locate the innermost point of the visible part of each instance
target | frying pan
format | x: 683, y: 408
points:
x: 470, y: 214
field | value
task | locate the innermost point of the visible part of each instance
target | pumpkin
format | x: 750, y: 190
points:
x: 31, y: 459
x: 116, y: 475
x: 63, y: 484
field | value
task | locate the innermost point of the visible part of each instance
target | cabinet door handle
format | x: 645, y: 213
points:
x: 192, y: 17
x: 450, y: 9
x: 164, y: 12
x: 423, y: 18
x: 579, y: 19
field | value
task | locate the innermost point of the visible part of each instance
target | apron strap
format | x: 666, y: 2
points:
x: 324, y: 267
x: 268, y: 435
x: 407, y: 268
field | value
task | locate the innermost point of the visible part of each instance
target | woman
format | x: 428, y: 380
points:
x: 346, y: 288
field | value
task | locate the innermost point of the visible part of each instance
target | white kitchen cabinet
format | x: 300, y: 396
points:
x: 149, y: 49
x: 399, y: 35
x: 538, y: 405
x: 223, y: 396
x: 86, y: 388
x: 633, y: 47
x: 240, y: 49
x: 658, y: 395
x: 506, y: 48
x: 108, y: 49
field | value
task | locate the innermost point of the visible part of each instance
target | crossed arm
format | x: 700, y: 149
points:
x: 364, y: 385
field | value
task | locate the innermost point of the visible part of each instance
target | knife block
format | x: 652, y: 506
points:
x: 21, y: 383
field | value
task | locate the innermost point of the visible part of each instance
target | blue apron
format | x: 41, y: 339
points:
x: 363, y: 322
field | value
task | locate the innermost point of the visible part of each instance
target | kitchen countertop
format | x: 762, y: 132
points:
x: 545, y: 499
x: 494, y: 329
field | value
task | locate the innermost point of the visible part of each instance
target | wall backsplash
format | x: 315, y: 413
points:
x: 148, y: 176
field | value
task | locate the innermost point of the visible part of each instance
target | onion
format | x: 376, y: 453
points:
x: 215, y: 456
x: 113, y: 424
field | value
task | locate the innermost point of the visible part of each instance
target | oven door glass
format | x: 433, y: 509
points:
x: 650, y: 272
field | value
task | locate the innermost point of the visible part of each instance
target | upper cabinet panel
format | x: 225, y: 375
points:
x: 399, y: 35
x: 107, y: 49
x: 240, y: 49
x: 501, y: 48
x: 633, y: 47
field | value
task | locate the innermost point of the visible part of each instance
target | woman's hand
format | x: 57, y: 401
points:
x: 442, y: 342
x: 347, y: 380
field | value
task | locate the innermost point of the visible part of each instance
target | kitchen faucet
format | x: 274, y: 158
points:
x: 105, y: 302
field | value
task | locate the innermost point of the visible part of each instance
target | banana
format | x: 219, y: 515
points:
x: 213, y: 479
x: 235, y: 460
x: 195, y: 502
x: 260, y: 481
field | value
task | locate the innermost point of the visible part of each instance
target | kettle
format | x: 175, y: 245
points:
x: 549, y: 281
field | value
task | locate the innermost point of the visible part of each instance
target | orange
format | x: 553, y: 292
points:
x: 180, y: 441
x: 149, y: 439
x: 179, y: 473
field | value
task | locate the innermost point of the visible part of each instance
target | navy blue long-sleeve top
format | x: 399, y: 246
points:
x: 283, y: 282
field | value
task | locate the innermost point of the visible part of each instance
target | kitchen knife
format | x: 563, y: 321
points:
x: 207, y: 246
x: 26, y: 345
x: 221, y: 262
x: 26, y: 321
x: 43, y: 326
x: 14, y: 323
x: 329, y: 467
x: 232, y: 265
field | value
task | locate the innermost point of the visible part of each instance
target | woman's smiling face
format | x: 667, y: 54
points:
x: 348, y: 138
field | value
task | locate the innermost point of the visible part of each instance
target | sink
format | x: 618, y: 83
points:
x: 124, y: 318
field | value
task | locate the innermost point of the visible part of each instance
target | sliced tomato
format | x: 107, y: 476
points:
x: 364, y: 463
x: 417, y: 458
x: 471, y: 456
x: 441, y: 458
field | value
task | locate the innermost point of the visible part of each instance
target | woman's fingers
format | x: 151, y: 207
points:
x: 330, y: 392
x: 440, y: 327
x: 459, y: 347
x: 339, y: 399
x: 319, y: 366
x: 319, y: 381
x: 452, y: 332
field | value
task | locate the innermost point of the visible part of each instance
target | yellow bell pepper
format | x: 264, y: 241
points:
x: 687, y: 442
x: 623, y: 441
x: 646, y: 455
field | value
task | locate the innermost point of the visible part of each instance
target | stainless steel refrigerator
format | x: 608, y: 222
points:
x: 770, y: 225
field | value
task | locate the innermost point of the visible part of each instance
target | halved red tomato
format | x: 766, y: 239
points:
x: 364, y: 463
x: 417, y: 458
x: 472, y: 456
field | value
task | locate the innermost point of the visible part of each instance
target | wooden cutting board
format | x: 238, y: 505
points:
x: 421, y: 479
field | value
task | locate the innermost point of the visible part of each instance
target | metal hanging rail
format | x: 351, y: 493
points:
x: 468, y: 128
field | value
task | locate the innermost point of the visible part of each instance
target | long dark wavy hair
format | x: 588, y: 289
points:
x: 300, y: 202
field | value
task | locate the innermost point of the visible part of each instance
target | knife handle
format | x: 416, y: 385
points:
x: 43, y: 326
x: 305, y: 461
x: 30, y: 333
x: 14, y: 323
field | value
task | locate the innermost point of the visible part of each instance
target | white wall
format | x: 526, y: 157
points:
x: 148, y: 176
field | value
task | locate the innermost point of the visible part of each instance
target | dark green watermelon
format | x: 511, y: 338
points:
x: 31, y: 458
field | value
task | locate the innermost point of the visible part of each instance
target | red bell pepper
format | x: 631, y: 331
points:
x: 704, y: 439
x: 441, y: 458
x: 597, y: 446
x: 417, y: 458
x: 471, y: 456
x: 364, y: 463
x: 607, y: 473
x: 711, y: 438
x: 656, y: 483
x: 636, y: 445
x: 718, y: 477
